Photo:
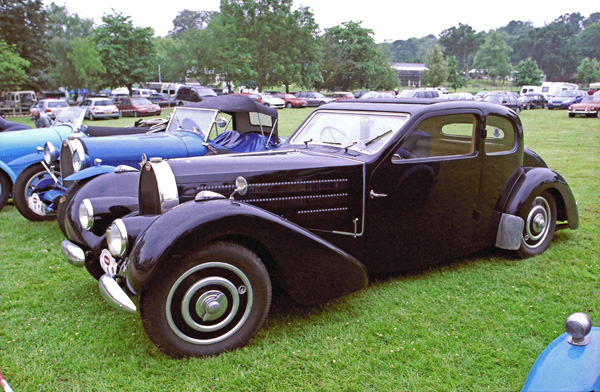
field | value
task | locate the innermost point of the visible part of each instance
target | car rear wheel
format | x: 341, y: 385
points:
x: 4, y: 189
x: 288, y: 105
x: 25, y: 185
x: 213, y: 300
x: 540, y: 223
x: 92, y: 118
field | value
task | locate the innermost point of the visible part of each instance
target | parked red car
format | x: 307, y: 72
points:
x: 292, y: 101
x: 589, y: 106
x: 252, y: 96
x: 340, y: 95
x: 138, y: 107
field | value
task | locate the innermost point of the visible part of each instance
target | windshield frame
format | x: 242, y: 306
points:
x: 361, y: 146
x: 173, y: 125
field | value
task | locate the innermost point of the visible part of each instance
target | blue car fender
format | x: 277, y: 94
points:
x: 566, y: 367
x: 25, y: 161
x: 310, y: 268
x: 9, y: 172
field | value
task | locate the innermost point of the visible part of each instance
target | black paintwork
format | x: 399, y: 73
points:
x: 324, y: 231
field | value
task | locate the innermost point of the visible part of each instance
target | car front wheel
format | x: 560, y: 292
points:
x: 213, y: 300
x: 288, y: 105
x: 25, y: 184
x: 540, y: 223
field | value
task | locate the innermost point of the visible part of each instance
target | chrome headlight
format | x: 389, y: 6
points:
x: 77, y: 153
x: 50, y: 153
x: 116, y: 238
x: 78, y: 161
x: 86, y: 214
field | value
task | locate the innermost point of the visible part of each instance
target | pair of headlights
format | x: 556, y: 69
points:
x: 77, y: 151
x: 116, y: 234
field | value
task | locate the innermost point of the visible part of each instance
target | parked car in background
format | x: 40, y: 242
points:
x: 117, y: 98
x: 589, y: 106
x: 253, y: 96
x: 19, y: 152
x: 314, y: 98
x: 221, y: 125
x: 18, y: 101
x: 361, y: 188
x: 564, y: 99
x: 143, y: 92
x: 190, y: 94
x: 162, y: 100
x: 570, y: 362
x: 99, y: 107
x: 359, y: 93
x: 551, y: 89
x: 341, y: 95
x: 134, y: 107
x: 460, y: 97
x: 533, y: 101
x: 506, y: 100
x: 291, y: 101
x: 51, y: 107
x: 270, y: 100
x: 376, y: 95
x: 419, y: 93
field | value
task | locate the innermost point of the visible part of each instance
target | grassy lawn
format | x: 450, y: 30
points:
x: 476, y: 323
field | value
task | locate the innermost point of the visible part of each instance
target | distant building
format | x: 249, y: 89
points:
x: 409, y: 73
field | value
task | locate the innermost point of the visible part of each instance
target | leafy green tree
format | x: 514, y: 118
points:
x: 588, y: 70
x: 587, y: 42
x: 455, y: 79
x: 437, y: 68
x: 87, y: 63
x: 23, y: 24
x: 494, y: 56
x: 461, y: 42
x: 127, y: 52
x: 351, y: 59
x: 412, y: 50
x: 190, y: 20
x: 171, y: 59
x: 64, y: 31
x: 12, y: 68
x: 527, y: 73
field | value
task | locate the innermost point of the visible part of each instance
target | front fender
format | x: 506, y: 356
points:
x: 9, y: 171
x: 530, y: 181
x: 310, y: 269
x: 565, y: 367
x: 90, y: 172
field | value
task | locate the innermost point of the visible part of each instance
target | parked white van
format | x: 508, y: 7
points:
x: 530, y: 89
x: 143, y: 92
x: 550, y: 89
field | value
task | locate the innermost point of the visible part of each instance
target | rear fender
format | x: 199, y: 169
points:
x: 518, y: 192
x: 310, y: 269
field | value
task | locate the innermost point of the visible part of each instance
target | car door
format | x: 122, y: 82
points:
x: 422, y: 201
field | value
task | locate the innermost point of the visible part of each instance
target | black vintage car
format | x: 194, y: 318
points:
x: 361, y: 188
x: 533, y: 101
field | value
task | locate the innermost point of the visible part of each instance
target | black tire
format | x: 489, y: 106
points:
x: 23, y: 188
x: 571, y: 115
x: 4, y: 189
x: 288, y: 105
x: 598, y: 113
x: 227, y: 282
x: 92, y: 118
x: 63, y: 202
x: 540, y: 223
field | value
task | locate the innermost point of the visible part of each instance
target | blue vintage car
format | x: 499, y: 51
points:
x: 220, y: 125
x: 571, y: 362
x: 18, y: 144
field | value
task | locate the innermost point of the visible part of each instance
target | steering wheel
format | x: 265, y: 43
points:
x: 332, y: 131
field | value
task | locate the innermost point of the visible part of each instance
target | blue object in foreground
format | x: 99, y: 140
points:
x: 571, y: 362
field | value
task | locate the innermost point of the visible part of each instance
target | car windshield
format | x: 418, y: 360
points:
x: 406, y: 94
x: 192, y: 119
x: 567, y: 93
x: 104, y: 102
x: 366, y: 132
x: 58, y: 104
x: 140, y: 101
x: 72, y: 116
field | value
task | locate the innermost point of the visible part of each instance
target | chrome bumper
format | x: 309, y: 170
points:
x: 74, y: 254
x: 115, y: 295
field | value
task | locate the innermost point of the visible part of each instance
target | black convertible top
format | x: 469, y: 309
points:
x: 11, y: 126
x: 234, y: 104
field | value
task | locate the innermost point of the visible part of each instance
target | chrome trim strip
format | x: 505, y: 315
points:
x: 114, y: 295
x: 74, y: 254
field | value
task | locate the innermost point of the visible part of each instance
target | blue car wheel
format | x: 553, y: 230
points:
x: 23, y: 190
x: 4, y: 189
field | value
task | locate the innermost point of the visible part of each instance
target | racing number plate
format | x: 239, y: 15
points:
x: 108, y: 263
x: 36, y: 205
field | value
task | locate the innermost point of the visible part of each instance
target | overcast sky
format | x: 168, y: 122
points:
x: 389, y: 20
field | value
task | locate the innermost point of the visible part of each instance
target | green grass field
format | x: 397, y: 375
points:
x: 474, y: 324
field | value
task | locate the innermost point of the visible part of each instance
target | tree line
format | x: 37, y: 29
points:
x: 265, y: 44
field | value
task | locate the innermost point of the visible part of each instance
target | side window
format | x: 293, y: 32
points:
x: 500, y: 135
x: 440, y: 136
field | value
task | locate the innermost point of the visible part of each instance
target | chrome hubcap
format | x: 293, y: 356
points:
x: 537, y: 224
x: 211, y: 305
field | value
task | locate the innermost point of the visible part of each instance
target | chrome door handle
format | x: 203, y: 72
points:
x: 374, y: 195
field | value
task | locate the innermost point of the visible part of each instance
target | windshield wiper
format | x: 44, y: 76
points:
x: 331, y: 143
x: 376, y: 138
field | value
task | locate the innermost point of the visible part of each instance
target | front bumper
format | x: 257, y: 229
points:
x: 114, y: 295
x: 74, y: 254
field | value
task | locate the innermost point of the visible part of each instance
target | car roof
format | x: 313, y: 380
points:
x: 234, y: 104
